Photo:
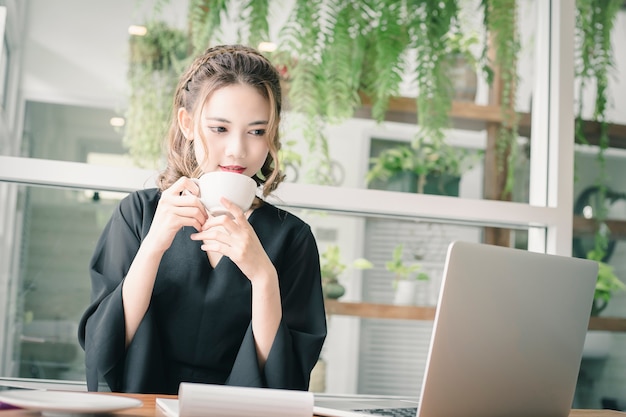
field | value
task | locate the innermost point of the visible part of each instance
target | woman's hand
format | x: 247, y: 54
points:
x: 231, y: 235
x: 179, y: 206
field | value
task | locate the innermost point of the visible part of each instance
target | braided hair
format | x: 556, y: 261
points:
x: 218, y: 67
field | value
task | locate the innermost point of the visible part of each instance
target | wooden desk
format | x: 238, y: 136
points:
x: 149, y: 409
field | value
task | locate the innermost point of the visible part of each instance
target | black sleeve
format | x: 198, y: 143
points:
x: 102, y: 327
x: 302, y: 330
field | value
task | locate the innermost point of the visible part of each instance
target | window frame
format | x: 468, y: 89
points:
x: 548, y: 215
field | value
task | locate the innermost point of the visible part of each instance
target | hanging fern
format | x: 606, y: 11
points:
x: 342, y: 59
x: 500, y: 19
x: 330, y: 51
x: 255, y: 13
x: 428, y: 24
x: 204, y: 17
x: 594, y: 24
x: 301, y: 41
x: 389, y: 65
x: 368, y: 72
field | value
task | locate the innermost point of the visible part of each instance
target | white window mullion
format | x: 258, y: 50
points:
x: 561, y: 152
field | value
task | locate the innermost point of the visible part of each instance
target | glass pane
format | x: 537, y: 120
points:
x: 424, y: 244
x: 392, y: 352
x: 57, y: 237
x: 70, y: 133
x: 55, y: 240
x: 66, y: 132
x: 354, y: 142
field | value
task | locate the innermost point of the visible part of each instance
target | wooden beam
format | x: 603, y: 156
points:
x: 379, y: 311
x: 617, y: 134
x: 388, y: 311
x: 612, y: 324
x: 459, y: 110
x: 588, y: 227
x: 472, y: 116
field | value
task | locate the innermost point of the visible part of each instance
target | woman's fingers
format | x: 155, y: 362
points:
x: 237, y: 214
x: 232, y: 236
x: 179, y: 206
x: 191, y: 216
x: 182, y: 187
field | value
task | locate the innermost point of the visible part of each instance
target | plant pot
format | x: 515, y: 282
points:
x: 408, y: 182
x: 332, y: 289
x: 464, y: 79
x: 405, y: 292
x: 441, y: 184
x: 403, y: 181
x: 422, y: 293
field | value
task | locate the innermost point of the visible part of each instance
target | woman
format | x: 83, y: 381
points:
x: 179, y: 295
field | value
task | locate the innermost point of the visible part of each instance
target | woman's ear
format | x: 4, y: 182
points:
x: 184, y: 123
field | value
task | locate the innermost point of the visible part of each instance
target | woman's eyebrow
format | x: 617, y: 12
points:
x: 217, y: 119
x: 222, y: 120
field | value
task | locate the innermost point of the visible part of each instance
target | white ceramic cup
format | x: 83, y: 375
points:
x: 238, y: 188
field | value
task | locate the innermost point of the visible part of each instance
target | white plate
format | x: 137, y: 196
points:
x: 67, y: 402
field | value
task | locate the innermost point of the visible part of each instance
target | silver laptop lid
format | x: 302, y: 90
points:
x: 508, y: 333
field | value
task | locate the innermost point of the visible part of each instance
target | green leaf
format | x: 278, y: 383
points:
x: 255, y: 16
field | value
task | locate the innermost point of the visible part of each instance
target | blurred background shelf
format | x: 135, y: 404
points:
x: 472, y: 116
x: 388, y: 311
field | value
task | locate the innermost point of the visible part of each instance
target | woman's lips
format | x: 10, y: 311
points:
x: 236, y: 169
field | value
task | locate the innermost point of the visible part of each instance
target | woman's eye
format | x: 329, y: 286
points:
x: 217, y: 129
x: 258, y: 132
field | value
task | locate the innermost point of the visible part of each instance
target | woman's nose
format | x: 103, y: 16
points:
x: 236, y: 146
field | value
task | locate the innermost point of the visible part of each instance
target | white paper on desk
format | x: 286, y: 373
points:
x: 207, y: 400
x: 169, y: 406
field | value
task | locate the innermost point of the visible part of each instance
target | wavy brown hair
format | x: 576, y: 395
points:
x: 219, y: 67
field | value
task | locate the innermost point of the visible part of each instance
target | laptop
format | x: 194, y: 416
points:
x: 507, y: 338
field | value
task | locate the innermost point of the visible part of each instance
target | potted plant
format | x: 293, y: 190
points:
x: 607, y: 284
x: 156, y: 60
x: 406, y: 277
x: 332, y: 267
x: 598, y: 342
x: 463, y: 65
x: 423, y: 167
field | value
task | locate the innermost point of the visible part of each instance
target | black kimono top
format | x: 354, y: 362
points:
x: 198, y: 325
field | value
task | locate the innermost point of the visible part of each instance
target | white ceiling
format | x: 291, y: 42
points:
x: 75, y: 51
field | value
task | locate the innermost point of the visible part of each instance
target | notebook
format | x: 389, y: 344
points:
x: 213, y: 400
x: 507, y: 338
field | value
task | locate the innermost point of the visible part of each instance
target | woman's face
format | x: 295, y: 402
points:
x: 233, y: 123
